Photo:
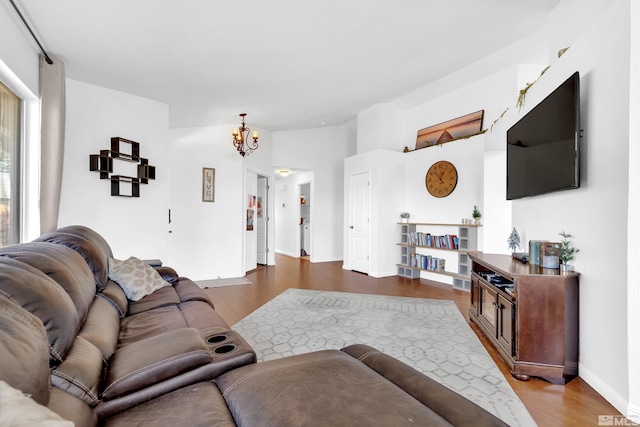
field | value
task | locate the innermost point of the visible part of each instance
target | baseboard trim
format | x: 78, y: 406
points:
x: 632, y: 412
x: 378, y: 275
x: 292, y: 255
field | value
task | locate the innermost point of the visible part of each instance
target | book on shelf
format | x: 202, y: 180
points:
x: 427, y: 262
x: 427, y: 240
x: 551, y: 248
x: 536, y: 251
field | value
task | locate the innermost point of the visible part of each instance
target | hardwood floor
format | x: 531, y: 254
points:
x: 574, y: 404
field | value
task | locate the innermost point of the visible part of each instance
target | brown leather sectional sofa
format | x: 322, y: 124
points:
x: 71, y: 340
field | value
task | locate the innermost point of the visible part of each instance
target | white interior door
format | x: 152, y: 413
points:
x: 262, y: 220
x: 359, y: 209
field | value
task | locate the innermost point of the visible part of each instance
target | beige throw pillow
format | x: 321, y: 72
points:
x: 136, y: 278
x: 18, y: 410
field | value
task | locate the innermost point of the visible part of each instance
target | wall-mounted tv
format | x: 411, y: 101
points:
x: 543, y: 146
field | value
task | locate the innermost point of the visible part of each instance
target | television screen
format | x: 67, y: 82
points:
x: 543, y: 146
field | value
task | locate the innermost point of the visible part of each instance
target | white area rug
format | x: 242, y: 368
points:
x: 432, y: 336
x: 217, y: 283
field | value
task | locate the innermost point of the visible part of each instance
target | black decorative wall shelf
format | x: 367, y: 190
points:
x: 103, y: 163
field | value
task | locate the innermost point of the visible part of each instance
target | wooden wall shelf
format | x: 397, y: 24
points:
x: 103, y: 163
x: 467, y: 242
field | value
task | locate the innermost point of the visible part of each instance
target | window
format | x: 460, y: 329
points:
x: 10, y: 106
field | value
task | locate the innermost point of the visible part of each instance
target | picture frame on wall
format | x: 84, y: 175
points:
x: 249, y: 219
x: 451, y: 130
x: 208, y: 184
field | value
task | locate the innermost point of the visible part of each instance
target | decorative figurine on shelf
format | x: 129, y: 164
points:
x: 404, y: 216
x: 476, y: 215
x: 514, y: 240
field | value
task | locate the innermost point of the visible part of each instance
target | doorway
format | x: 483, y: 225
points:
x: 304, y: 197
x: 262, y: 220
x: 257, y: 225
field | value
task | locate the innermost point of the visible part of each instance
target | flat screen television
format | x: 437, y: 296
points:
x: 543, y: 146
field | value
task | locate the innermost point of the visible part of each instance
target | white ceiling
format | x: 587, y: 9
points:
x: 289, y: 64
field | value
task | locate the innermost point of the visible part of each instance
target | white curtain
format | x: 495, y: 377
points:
x: 52, y: 110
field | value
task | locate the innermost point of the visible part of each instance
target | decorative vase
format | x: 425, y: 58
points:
x: 476, y: 221
x: 550, y: 261
x: 405, y: 220
x: 565, y: 268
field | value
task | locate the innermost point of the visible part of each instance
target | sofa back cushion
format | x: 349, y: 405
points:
x: 63, y: 265
x: 102, y: 326
x: 43, y: 297
x: 24, y: 364
x: 81, y: 371
x: 91, y: 245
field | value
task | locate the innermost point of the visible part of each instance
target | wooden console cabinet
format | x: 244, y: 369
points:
x: 529, y: 313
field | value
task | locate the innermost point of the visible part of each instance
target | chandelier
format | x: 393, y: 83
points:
x: 241, y: 139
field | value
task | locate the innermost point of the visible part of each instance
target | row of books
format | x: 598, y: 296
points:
x: 426, y: 262
x: 448, y: 241
x: 541, y: 248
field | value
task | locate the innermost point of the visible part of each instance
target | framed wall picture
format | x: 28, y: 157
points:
x: 208, y: 184
x: 249, y: 219
x: 450, y: 130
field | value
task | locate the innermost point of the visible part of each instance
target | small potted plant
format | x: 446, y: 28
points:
x: 566, y: 251
x: 514, y: 240
x: 404, y: 216
x: 476, y: 215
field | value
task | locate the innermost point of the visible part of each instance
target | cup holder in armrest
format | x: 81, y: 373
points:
x: 217, y: 339
x: 224, y: 349
x: 229, y: 349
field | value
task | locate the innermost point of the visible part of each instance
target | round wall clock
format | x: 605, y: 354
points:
x: 441, y: 179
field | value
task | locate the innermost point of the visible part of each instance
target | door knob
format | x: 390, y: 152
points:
x: 351, y: 227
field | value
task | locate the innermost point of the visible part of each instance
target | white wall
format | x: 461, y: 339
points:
x: 633, y: 243
x: 466, y: 155
x: 497, y: 209
x: 596, y: 214
x: 380, y: 127
x: 132, y: 226
x: 387, y: 186
x: 321, y: 150
x: 207, y: 239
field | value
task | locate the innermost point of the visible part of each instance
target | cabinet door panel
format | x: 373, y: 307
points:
x: 487, y: 308
x: 506, y: 324
x: 475, y: 294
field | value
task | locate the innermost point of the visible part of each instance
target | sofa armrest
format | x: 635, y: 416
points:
x: 167, y: 273
x: 143, y: 363
x: 451, y: 406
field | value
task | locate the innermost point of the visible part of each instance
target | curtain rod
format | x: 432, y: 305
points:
x: 49, y: 61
